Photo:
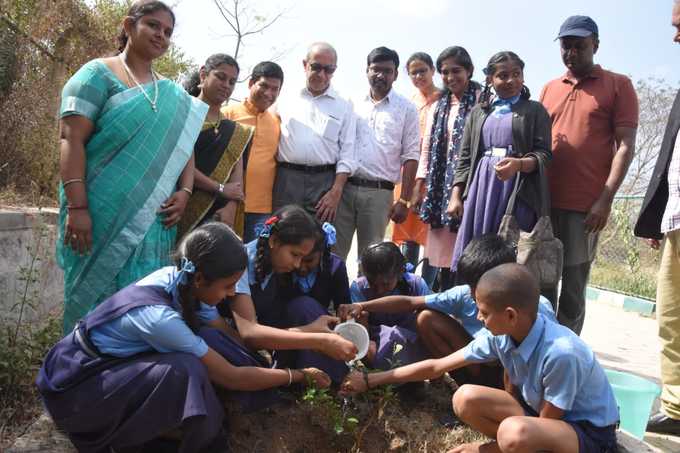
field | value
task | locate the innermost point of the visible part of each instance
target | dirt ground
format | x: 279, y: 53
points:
x: 408, y: 423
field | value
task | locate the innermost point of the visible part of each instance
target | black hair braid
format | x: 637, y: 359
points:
x: 189, y: 305
x: 485, y: 97
x: 263, y: 262
x: 525, y: 93
x: 326, y: 259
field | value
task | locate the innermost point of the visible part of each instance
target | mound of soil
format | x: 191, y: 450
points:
x: 408, y: 422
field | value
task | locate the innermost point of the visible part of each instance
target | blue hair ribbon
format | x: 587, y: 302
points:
x: 265, y: 231
x: 329, y: 232
x: 186, y: 267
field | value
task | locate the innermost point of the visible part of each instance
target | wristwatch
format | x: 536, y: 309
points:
x: 220, y: 189
x: 404, y: 202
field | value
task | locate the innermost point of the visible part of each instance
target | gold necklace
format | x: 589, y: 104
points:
x: 139, y: 85
x: 216, y: 125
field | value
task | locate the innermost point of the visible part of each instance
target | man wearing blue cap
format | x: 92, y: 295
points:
x: 594, y: 116
x: 660, y: 219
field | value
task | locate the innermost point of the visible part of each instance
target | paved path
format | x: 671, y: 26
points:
x: 623, y: 340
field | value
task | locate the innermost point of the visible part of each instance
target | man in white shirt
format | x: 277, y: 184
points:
x: 316, y: 148
x: 387, y: 144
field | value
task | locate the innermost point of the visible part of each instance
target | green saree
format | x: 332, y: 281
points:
x: 216, y: 154
x: 134, y: 159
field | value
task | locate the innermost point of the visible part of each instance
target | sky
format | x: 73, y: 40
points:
x: 635, y: 35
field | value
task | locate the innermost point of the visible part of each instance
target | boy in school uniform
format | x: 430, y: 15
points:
x: 559, y: 399
x: 448, y: 321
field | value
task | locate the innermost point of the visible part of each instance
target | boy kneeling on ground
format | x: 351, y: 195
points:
x: 559, y: 399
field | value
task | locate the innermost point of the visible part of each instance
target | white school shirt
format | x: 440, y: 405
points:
x: 387, y: 136
x: 317, y: 130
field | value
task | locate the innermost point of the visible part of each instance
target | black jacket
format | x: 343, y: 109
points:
x: 531, y: 135
x: 649, y: 221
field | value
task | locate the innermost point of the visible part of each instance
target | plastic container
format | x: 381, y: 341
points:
x: 635, y: 397
x: 357, y: 334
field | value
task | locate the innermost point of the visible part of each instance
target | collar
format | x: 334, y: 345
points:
x: 387, y: 98
x: 422, y: 101
x: 509, y: 101
x: 250, y: 107
x: 595, y: 73
x: 529, y: 344
x: 330, y: 92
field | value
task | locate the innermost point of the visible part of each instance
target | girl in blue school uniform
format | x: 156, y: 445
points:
x: 298, y: 330
x: 322, y: 274
x: 141, y: 364
x: 394, y: 338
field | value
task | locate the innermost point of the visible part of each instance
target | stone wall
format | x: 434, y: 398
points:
x: 27, y: 241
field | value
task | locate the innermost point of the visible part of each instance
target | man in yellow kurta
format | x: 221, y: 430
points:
x: 264, y: 85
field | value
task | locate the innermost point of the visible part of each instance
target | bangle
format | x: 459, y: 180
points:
x: 187, y: 190
x: 365, y: 373
x: 72, y: 207
x: 290, y: 376
x: 71, y: 181
x: 404, y: 202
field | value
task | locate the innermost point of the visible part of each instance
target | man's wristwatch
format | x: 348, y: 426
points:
x: 404, y: 202
x: 220, y: 189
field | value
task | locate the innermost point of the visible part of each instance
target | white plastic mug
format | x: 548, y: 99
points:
x: 356, y: 333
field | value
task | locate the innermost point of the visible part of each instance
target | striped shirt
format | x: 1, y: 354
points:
x: 671, y: 216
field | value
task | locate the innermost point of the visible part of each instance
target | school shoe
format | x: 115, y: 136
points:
x: 663, y: 424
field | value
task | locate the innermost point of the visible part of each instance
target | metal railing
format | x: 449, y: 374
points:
x: 624, y: 263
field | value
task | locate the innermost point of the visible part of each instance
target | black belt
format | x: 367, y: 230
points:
x: 307, y: 168
x: 379, y: 184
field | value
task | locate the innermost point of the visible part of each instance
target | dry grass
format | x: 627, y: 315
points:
x: 11, y: 197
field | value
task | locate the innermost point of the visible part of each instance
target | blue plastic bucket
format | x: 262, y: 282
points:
x: 635, y: 397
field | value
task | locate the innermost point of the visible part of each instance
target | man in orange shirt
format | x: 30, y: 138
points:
x: 594, y: 116
x: 264, y: 84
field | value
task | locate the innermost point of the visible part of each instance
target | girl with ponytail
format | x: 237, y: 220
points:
x: 506, y: 138
x: 141, y: 364
x: 322, y: 274
x: 393, y: 332
x: 298, y: 330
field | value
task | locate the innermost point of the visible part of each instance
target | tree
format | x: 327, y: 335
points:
x: 656, y: 97
x: 244, y: 20
x: 42, y: 43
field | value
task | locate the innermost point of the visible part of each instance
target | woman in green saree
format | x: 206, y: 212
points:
x: 127, y: 171
x: 219, y: 150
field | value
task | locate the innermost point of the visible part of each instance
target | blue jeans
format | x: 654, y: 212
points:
x: 252, y: 220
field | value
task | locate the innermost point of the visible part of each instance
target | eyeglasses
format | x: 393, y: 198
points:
x: 417, y: 72
x: 318, y: 67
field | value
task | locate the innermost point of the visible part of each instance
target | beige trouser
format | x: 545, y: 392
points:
x: 364, y: 210
x: 668, y: 316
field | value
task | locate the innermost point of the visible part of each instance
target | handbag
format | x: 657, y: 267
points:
x: 539, y: 249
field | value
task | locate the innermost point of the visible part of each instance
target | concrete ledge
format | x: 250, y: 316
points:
x: 639, y: 305
x: 25, y: 218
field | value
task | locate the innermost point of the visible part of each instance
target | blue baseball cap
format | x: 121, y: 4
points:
x: 580, y: 26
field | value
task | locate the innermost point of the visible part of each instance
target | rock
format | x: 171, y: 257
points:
x: 42, y: 436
